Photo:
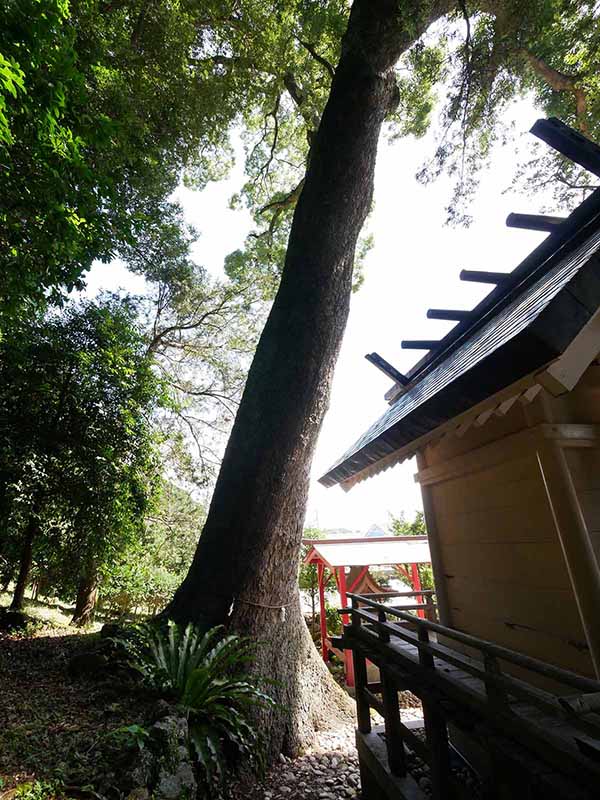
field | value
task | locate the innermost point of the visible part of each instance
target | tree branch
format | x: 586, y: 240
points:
x: 279, y: 206
x: 299, y: 98
x: 318, y: 57
x: 561, y: 82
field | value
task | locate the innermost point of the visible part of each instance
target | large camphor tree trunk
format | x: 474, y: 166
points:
x: 246, y: 564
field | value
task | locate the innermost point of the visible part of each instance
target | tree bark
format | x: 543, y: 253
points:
x: 247, y: 556
x: 87, y: 595
x: 24, y: 565
x: 7, y: 579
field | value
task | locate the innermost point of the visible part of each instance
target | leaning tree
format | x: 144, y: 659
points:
x: 245, y: 567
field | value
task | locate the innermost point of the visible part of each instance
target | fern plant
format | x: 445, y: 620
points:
x: 205, y: 673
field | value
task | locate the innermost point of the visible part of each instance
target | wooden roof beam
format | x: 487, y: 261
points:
x: 569, y: 143
x: 480, y: 276
x: 455, y: 314
x: 386, y: 368
x: 534, y: 222
x: 419, y: 344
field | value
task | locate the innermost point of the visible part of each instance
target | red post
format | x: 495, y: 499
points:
x: 349, y: 665
x: 322, y: 613
x: 416, y: 585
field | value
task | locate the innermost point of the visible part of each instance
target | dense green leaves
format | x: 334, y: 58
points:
x: 400, y: 526
x: 77, y: 444
x: 103, y: 107
x: 204, y: 671
x: 148, y: 568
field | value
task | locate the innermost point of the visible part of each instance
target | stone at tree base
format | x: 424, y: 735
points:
x: 141, y: 772
x: 140, y: 793
x: 162, y: 709
x: 174, y: 769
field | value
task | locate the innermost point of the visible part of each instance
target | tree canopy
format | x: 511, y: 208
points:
x: 104, y: 105
x: 78, y: 452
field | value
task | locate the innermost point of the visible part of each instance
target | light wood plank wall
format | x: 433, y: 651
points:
x: 501, y: 561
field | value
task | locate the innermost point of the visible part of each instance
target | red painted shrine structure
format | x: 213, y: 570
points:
x: 348, y: 562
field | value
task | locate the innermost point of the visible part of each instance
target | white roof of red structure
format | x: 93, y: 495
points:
x: 369, y: 552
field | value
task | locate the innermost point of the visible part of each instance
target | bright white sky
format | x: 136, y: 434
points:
x: 413, y: 266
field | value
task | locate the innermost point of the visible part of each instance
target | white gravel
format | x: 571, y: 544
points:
x: 328, y: 771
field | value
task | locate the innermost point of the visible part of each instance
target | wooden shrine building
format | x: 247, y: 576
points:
x: 348, y: 562
x: 503, y: 416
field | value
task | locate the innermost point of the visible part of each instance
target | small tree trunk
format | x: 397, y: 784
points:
x: 87, y: 594
x: 7, y: 578
x: 24, y: 565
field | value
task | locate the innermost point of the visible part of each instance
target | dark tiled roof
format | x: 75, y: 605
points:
x: 516, y: 329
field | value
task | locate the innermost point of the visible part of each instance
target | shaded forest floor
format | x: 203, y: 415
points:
x: 61, y: 734
x: 52, y: 724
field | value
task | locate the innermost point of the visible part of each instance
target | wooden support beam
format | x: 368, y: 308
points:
x: 481, y: 276
x: 386, y: 368
x: 416, y: 585
x: 534, y: 222
x: 322, y: 611
x: 393, y: 732
x: 574, y: 539
x: 570, y: 143
x: 419, y: 344
x: 448, y: 313
x: 363, y: 713
x: 349, y: 664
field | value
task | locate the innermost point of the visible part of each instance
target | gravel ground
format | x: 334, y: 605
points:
x: 328, y: 771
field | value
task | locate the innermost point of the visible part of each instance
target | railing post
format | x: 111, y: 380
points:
x: 430, y: 610
x: 383, y: 634
x: 436, y: 732
x: 496, y: 695
x: 363, y: 712
x: 393, y: 732
x: 348, y: 662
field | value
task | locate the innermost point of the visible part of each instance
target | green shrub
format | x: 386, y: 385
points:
x: 39, y: 790
x: 334, y: 620
x: 205, y: 673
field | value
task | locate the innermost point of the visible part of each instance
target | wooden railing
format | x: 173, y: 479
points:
x: 545, y: 741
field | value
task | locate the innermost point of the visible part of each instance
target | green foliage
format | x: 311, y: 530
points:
x: 147, y: 572
x: 334, y: 620
x: 77, y: 449
x: 130, y: 736
x: 547, y: 50
x: 44, y: 233
x: 204, y: 671
x: 201, y: 333
x: 400, y: 526
x: 102, y: 106
x: 40, y: 790
x: 307, y: 574
x: 308, y: 581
